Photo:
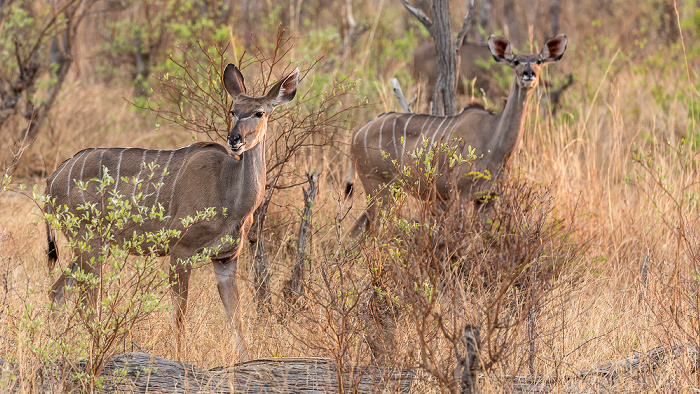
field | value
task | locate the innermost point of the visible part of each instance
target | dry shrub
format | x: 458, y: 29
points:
x: 436, y: 270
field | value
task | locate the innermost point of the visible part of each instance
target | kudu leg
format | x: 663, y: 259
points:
x: 180, y: 282
x: 367, y: 222
x: 227, y: 282
x: 62, y: 290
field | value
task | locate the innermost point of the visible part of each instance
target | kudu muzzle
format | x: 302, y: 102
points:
x: 235, y: 140
x: 529, y: 76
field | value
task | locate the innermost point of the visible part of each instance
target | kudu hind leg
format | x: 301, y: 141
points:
x: 180, y: 282
x: 367, y: 222
x: 227, y: 282
x: 63, y: 289
x: 60, y: 292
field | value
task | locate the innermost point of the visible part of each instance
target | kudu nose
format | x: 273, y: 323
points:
x: 234, y: 140
x: 529, y: 74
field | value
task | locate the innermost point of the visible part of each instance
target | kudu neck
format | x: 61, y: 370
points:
x: 509, y: 125
x: 249, y: 169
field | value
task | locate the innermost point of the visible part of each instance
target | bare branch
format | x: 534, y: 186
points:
x: 420, y: 15
x: 465, y: 25
x: 399, y: 95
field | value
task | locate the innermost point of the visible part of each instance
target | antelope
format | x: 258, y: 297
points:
x: 471, y: 55
x: 474, y: 65
x: 494, y: 137
x: 199, y: 176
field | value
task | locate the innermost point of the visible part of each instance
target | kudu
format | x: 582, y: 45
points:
x: 494, y: 137
x: 473, y: 64
x: 199, y: 176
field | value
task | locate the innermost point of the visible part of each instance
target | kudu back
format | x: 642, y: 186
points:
x: 474, y: 64
x: 198, y: 177
x: 494, y: 137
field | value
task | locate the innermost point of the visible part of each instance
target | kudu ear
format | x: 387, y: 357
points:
x: 500, y: 49
x: 284, y: 90
x: 233, y: 81
x: 554, y: 49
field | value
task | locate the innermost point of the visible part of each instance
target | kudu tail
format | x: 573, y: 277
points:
x: 52, y: 252
x: 350, y: 180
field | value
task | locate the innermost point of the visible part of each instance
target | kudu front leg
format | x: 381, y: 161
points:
x: 227, y: 282
x: 180, y: 282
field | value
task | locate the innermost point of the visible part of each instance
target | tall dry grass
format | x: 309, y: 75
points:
x: 632, y: 289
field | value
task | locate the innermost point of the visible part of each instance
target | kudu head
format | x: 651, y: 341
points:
x: 250, y: 114
x: 527, y: 66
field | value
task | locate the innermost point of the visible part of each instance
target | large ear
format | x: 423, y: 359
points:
x: 284, y: 90
x: 500, y: 49
x: 233, y: 81
x: 554, y: 49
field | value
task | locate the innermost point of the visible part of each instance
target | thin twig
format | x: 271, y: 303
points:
x: 420, y: 15
x: 465, y: 25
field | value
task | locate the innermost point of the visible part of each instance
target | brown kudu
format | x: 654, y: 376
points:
x: 473, y: 65
x: 199, y: 176
x: 494, y: 137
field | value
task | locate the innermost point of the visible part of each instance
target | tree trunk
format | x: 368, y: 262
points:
x: 61, y: 58
x: 483, y: 20
x: 511, y: 28
x: 554, y: 13
x: 142, y: 69
x: 446, y: 84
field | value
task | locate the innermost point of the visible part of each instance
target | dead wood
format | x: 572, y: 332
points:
x: 637, y: 368
x: 294, y: 287
x: 141, y: 372
x: 399, y: 95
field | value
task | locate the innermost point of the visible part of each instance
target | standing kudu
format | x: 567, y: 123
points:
x: 494, y: 137
x: 199, y: 176
x: 473, y: 64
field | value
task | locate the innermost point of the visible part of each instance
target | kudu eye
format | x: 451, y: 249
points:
x: 259, y: 114
x: 516, y: 62
x: 233, y: 113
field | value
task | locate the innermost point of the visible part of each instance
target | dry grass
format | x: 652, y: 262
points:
x: 603, y: 307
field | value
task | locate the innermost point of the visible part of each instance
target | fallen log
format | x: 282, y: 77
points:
x: 141, y: 372
x: 635, y: 367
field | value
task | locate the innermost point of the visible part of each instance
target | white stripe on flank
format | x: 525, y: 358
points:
x: 162, y: 175
x: 432, y: 140
x: 381, y: 131
x: 99, y: 170
x: 453, y: 128
x: 82, y: 170
x: 403, y: 151
x: 177, y: 175
x: 155, y: 161
x: 446, y: 127
x: 367, y: 132
x: 137, y: 181
x: 393, y: 138
x: 54, y: 178
x: 74, y: 159
x: 354, y: 139
x: 422, y: 134
x: 119, y: 167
